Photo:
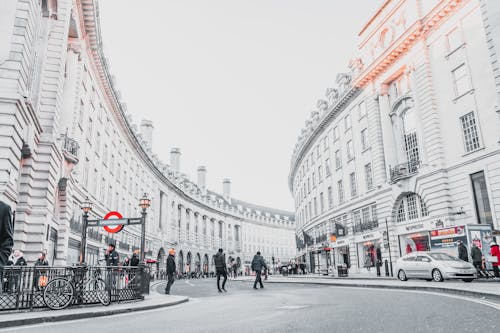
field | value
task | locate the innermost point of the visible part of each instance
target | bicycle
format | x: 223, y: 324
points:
x: 61, y: 291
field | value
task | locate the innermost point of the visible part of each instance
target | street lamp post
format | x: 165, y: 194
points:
x: 388, y: 245
x: 144, y: 203
x: 86, y: 208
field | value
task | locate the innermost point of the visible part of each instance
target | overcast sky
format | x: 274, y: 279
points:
x: 230, y: 82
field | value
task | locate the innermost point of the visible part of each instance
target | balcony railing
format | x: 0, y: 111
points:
x: 70, y: 145
x: 364, y: 226
x: 404, y: 170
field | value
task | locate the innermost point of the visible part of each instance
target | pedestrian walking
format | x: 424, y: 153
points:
x: 16, y: 260
x: 40, y: 278
x: 112, y: 259
x: 134, y: 261
x: 170, y: 270
x: 462, y: 251
x: 220, y: 269
x: 495, y: 254
x: 6, y: 238
x: 477, y: 260
x: 258, y: 264
x: 303, y: 268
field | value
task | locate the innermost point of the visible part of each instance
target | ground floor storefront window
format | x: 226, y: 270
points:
x: 369, y: 253
x: 414, y: 242
x: 341, y: 256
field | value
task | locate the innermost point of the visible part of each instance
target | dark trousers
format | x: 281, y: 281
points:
x: 170, y: 282
x: 495, y: 271
x: 223, y: 272
x: 479, y: 267
x: 258, y: 279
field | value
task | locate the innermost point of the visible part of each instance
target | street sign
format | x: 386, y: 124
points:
x: 118, y: 222
x: 118, y: 227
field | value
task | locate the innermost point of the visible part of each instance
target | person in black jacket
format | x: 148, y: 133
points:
x: 477, y: 260
x: 462, y: 251
x: 258, y: 264
x: 134, y: 261
x: 6, y: 237
x: 170, y: 270
x: 221, y: 269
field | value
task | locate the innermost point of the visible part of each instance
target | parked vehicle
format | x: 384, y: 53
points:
x: 435, y: 266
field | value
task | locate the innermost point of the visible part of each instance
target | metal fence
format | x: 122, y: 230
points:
x: 22, y: 287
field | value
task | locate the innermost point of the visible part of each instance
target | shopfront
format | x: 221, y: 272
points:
x: 418, y: 241
x: 340, y: 251
x: 369, y: 250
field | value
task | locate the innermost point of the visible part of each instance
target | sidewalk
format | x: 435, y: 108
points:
x: 489, y: 289
x: 152, y: 301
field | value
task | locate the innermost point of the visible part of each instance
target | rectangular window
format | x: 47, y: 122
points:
x: 412, y: 152
x: 81, y: 114
x: 315, y: 206
x: 336, y: 135
x: 328, y: 167
x: 347, y: 122
x: 308, y: 185
x: 321, y: 202
x: 362, y: 109
x: 330, y: 197
x: 314, y: 179
x: 354, y: 186
x: 461, y: 80
x: 341, y: 192
x: 89, y: 128
x: 325, y: 143
x: 364, y: 139
x: 469, y: 131
x: 411, y: 201
x: 368, y: 176
x: 338, y: 159
x: 318, y: 154
x: 350, y: 150
x: 481, y: 198
x: 320, y: 176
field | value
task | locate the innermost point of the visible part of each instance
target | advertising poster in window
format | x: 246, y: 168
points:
x: 445, y: 240
x: 481, y: 236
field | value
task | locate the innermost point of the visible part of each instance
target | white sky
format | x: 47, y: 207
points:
x: 230, y: 82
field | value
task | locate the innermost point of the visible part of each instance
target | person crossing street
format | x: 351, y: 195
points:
x: 258, y: 264
x: 170, y: 270
x: 221, y: 269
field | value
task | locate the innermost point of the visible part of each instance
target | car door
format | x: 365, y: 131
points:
x: 409, y: 265
x: 423, y: 266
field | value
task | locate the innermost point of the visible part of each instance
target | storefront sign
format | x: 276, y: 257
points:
x: 370, y: 236
x: 414, y: 227
x: 340, y: 242
x: 448, y: 237
x: 405, y: 229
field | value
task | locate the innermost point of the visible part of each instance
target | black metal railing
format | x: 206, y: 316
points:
x: 364, y: 226
x: 70, y: 145
x: 404, y: 170
x: 22, y: 287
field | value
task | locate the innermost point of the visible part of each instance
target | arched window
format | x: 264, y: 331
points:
x: 410, y: 207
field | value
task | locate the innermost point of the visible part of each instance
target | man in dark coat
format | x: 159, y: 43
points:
x: 170, y: 270
x: 134, y: 261
x: 477, y: 260
x: 112, y: 257
x: 6, y: 237
x: 258, y: 264
x: 462, y: 251
x: 220, y: 269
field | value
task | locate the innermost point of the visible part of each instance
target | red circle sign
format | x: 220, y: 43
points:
x: 117, y: 228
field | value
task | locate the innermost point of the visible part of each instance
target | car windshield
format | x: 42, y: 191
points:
x: 443, y: 256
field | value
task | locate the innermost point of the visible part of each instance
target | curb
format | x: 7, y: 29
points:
x: 85, y: 315
x: 414, y: 288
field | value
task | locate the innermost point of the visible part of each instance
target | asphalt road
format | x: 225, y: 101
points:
x: 294, y: 308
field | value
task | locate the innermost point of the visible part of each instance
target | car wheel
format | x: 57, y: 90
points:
x: 468, y: 280
x: 437, y: 276
x: 402, y: 275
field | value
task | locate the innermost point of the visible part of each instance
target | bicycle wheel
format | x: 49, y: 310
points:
x: 58, y: 294
x: 102, y: 290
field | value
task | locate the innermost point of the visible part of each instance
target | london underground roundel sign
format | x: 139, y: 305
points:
x: 114, y: 229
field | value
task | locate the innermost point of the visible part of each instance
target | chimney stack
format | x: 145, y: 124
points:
x: 226, y: 188
x: 175, y: 159
x: 147, y: 132
x: 202, y: 178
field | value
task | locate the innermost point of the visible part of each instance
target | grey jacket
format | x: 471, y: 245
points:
x: 220, y: 260
x: 258, y: 263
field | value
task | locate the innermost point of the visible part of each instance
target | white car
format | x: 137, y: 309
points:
x: 435, y: 266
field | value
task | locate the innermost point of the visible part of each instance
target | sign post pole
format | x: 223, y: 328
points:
x: 389, y: 245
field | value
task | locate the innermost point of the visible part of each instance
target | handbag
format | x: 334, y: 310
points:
x: 42, y: 281
x: 493, y: 259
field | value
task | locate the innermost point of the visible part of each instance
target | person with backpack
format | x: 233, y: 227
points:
x: 258, y: 264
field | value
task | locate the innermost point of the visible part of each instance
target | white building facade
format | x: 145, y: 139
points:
x: 65, y: 135
x: 404, y: 154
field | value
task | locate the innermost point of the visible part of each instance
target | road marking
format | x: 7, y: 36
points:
x: 292, y: 307
x: 187, y: 281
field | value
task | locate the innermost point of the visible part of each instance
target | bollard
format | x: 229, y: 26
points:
x: 378, y: 267
x: 386, y: 264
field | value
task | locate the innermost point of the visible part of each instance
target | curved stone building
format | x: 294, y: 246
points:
x: 65, y: 135
x: 403, y: 154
